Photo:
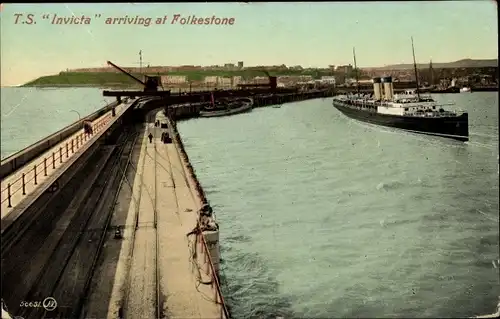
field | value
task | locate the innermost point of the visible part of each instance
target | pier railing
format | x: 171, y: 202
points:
x: 210, y: 268
x: 51, y: 162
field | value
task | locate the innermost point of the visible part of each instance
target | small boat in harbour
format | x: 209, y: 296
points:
x: 233, y: 107
x: 465, y: 89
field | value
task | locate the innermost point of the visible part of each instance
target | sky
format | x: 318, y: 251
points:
x: 296, y: 33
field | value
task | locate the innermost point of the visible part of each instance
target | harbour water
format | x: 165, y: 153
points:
x: 322, y: 216
x: 28, y: 114
x: 325, y: 217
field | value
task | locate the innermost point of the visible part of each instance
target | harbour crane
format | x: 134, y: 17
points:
x: 150, y: 84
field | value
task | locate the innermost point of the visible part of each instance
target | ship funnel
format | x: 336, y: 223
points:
x: 377, y: 88
x: 388, y: 88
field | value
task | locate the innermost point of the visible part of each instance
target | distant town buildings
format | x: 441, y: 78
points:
x: 291, y: 79
x: 173, y: 79
x: 260, y: 80
x: 328, y: 79
x: 237, y: 80
x: 346, y: 69
x: 290, y: 75
x: 224, y: 81
x: 210, y: 80
x: 221, y: 81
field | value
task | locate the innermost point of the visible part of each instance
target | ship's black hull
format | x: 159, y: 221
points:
x: 450, y: 127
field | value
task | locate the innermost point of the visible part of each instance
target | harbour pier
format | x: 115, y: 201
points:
x: 110, y: 224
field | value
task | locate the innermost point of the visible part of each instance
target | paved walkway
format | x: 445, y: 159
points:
x: 160, y: 182
x: 47, y: 164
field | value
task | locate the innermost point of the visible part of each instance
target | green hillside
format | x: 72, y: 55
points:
x: 82, y: 79
x: 119, y: 79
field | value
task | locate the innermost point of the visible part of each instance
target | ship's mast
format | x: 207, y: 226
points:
x: 415, y: 66
x: 140, y: 62
x: 355, y: 69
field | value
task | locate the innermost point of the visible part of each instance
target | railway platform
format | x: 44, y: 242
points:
x: 160, y: 271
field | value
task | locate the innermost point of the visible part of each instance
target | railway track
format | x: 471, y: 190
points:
x: 24, y: 257
x: 125, y: 310
x: 67, y: 274
x: 137, y: 202
x: 159, y: 301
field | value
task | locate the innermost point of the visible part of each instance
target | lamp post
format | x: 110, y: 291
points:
x: 79, y: 116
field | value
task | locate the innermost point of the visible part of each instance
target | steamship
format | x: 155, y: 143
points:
x: 410, y: 111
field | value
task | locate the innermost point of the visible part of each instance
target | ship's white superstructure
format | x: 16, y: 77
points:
x: 384, y: 101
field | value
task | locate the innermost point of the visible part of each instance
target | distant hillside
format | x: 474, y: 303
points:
x: 465, y: 63
x: 103, y: 79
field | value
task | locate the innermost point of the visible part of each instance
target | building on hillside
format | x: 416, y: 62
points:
x: 93, y: 70
x: 240, y: 64
x: 173, y: 79
x: 224, y: 82
x: 237, y: 80
x: 260, y: 80
x: 210, y: 80
x: 346, y: 69
x: 293, y: 79
x: 305, y: 78
x: 188, y: 68
x: 283, y: 80
x: 328, y: 79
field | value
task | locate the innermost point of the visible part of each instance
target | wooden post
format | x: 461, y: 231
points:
x: 8, y: 195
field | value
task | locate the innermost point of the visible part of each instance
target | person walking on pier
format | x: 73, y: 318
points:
x: 150, y: 136
x: 87, y: 128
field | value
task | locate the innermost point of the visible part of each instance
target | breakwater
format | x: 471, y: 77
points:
x: 192, y: 109
x: 177, y: 138
x: 209, y: 239
x: 207, y: 230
